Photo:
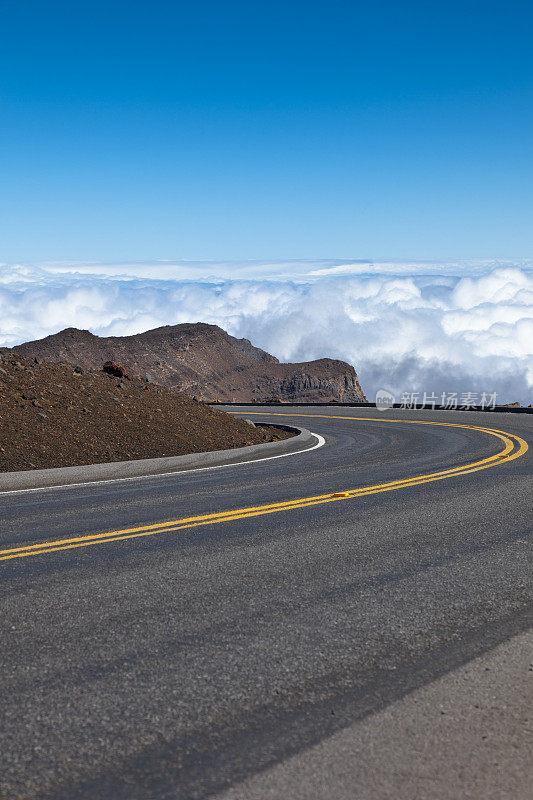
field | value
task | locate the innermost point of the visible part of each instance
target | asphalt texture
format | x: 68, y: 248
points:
x: 186, y: 663
x: 466, y: 735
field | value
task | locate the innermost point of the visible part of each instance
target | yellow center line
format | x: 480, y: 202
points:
x: 514, y: 447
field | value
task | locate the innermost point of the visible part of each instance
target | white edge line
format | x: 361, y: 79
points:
x: 320, y: 442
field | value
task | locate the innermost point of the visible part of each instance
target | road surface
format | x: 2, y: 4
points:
x: 247, y: 631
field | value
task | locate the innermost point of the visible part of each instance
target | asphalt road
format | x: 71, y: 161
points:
x: 186, y: 662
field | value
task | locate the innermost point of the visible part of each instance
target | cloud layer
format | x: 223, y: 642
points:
x: 416, y: 327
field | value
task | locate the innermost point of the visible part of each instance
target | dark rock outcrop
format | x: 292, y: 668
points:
x: 112, y: 368
x: 204, y: 361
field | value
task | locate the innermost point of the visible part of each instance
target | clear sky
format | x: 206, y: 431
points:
x: 266, y: 129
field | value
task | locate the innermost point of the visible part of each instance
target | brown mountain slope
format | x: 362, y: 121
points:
x: 54, y: 416
x: 205, y: 361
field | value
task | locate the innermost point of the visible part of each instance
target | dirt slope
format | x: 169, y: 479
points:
x: 53, y: 416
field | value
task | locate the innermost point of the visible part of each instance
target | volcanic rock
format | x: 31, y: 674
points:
x: 112, y: 368
x: 204, y: 361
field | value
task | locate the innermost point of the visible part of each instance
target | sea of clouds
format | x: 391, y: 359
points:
x: 406, y: 327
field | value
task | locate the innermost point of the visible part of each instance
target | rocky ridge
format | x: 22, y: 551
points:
x: 204, y: 361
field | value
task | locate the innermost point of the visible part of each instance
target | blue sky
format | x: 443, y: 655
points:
x: 266, y: 130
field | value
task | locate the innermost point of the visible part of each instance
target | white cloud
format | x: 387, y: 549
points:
x: 417, y: 327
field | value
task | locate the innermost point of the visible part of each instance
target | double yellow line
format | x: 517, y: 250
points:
x: 514, y: 447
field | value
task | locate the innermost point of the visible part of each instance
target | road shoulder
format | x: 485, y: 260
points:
x: 123, y: 470
x: 466, y: 735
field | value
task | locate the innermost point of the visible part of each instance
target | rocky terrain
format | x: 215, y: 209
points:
x: 203, y: 361
x: 54, y: 415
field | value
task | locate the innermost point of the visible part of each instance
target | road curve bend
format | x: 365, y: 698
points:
x: 179, y: 636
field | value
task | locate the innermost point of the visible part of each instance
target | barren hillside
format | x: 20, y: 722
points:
x: 204, y: 361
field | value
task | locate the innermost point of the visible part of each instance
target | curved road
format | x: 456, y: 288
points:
x: 282, y: 607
